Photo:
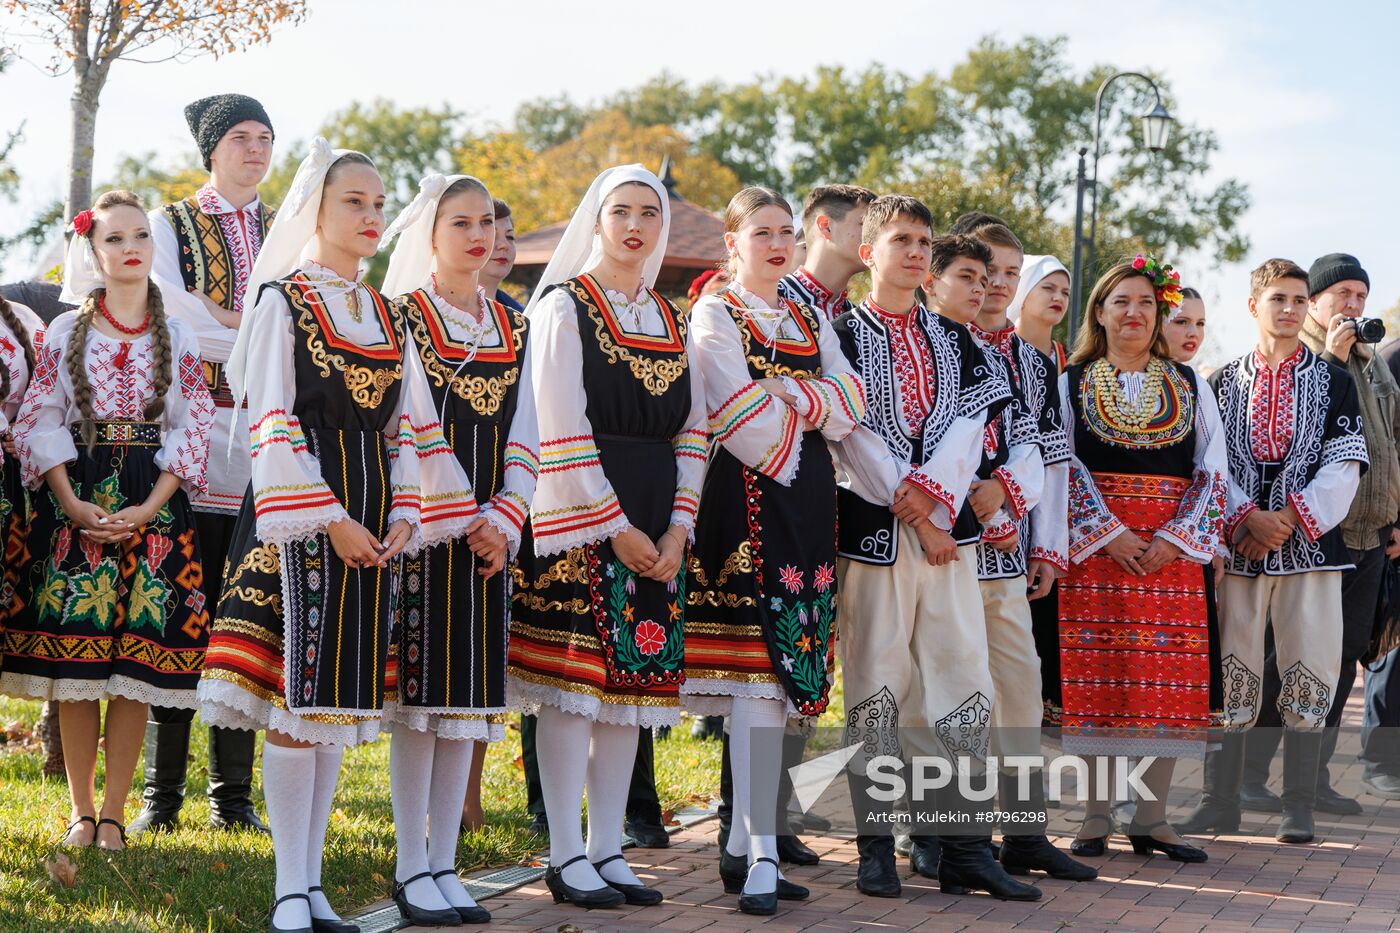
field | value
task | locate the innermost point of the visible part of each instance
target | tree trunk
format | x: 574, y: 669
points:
x: 83, y: 104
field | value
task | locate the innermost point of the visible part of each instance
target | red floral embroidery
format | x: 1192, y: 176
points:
x: 913, y: 365
x: 1271, y: 408
x: 822, y: 578
x: 649, y: 637
x: 791, y: 578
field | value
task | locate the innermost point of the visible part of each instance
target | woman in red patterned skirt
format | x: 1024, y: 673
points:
x: 1147, y: 491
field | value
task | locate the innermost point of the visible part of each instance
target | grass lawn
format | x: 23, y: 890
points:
x: 198, y: 879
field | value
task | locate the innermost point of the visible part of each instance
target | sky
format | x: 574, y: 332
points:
x: 1303, y: 105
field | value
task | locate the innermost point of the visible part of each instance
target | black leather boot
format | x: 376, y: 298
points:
x: 1328, y: 800
x: 1260, y: 745
x: 966, y: 865
x: 1024, y: 846
x: 1219, y: 809
x: 231, y: 753
x: 791, y: 848
x: 924, y: 855
x: 1301, y: 751
x: 167, y: 751
x: 725, y: 811
x: 877, y: 874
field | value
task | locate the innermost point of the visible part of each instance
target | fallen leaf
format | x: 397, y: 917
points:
x: 377, y: 878
x: 668, y: 817
x: 567, y: 928
x: 219, y: 866
x: 168, y: 899
x: 62, y: 870
x: 338, y: 815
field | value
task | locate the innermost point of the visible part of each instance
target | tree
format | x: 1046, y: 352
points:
x: 89, y: 36
x: 542, y: 187
x: 1004, y: 125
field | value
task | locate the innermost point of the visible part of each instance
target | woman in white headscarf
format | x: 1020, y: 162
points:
x: 1042, y: 298
x: 346, y: 476
x: 596, y: 640
x: 451, y: 643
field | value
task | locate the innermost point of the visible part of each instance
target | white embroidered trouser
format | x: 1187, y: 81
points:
x: 913, y: 646
x: 1015, y: 667
x: 1306, y: 610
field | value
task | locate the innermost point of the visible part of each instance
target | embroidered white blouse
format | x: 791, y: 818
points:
x: 745, y: 417
x: 292, y: 500
x: 572, y: 482
x: 122, y: 378
x: 507, y: 509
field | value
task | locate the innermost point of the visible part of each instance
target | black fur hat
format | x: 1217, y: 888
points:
x: 211, y: 117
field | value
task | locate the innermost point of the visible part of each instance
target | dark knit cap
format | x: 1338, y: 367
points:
x: 211, y: 117
x: 1334, y: 268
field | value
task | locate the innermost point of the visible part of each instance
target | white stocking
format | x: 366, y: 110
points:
x: 323, y: 799
x: 410, y: 775
x: 561, y: 741
x: 289, y: 776
x: 452, y: 765
x: 748, y: 713
x: 609, y: 778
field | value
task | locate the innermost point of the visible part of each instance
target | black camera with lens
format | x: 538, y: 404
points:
x: 1370, y: 330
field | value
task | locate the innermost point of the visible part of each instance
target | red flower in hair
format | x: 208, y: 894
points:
x: 82, y: 224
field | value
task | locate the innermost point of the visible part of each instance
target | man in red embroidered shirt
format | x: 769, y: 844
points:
x: 205, y: 249
x: 831, y: 222
x: 1293, y: 434
x: 913, y: 639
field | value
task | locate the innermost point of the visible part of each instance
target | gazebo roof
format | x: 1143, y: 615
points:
x: 696, y: 242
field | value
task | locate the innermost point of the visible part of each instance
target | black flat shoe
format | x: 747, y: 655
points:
x: 273, y: 928
x: 795, y: 852
x: 1021, y: 855
x: 74, y: 825
x: 422, y: 916
x: 329, y: 926
x: 606, y: 896
x: 734, y: 871
x: 1144, y: 843
x: 638, y: 895
x: 1093, y: 846
x: 121, y: 833
x: 763, y: 905
x: 468, y: 914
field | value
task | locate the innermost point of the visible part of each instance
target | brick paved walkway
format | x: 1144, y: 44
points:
x: 1250, y: 883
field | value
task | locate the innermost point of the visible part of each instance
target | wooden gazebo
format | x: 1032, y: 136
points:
x: 696, y: 242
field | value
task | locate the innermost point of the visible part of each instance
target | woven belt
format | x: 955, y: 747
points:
x: 130, y: 433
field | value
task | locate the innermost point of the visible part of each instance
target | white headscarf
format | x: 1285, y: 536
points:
x: 1034, y: 270
x: 80, y: 272
x: 292, y: 230
x: 581, y: 248
x: 412, y: 260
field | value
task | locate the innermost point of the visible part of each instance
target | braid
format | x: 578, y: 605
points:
x: 4, y: 381
x: 160, y: 349
x: 26, y: 340
x: 76, y: 362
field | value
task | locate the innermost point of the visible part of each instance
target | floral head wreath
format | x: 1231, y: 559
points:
x: 82, y: 223
x: 1165, y: 280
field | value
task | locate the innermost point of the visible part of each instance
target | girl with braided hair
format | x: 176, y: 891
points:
x: 21, y: 330
x: 112, y: 435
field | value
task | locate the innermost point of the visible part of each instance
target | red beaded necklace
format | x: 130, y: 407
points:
x: 129, y: 331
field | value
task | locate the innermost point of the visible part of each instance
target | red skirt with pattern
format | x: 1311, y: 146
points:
x: 1135, y: 651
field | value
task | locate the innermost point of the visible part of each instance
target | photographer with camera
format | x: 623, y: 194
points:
x: 1336, y: 331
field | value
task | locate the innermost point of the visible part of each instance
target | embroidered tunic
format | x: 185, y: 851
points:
x: 207, y: 246
x: 762, y: 579
x: 343, y: 427
x: 451, y: 638
x: 802, y: 287
x: 1293, y: 435
x: 1035, y: 379
x: 14, y: 498
x: 622, y: 445
x: 932, y: 437
x: 126, y: 619
x: 1135, y: 652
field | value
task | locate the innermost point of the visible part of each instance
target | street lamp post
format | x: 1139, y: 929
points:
x: 1156, y: 126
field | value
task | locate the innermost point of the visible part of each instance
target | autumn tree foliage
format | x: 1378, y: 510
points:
x: 87, y: 37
